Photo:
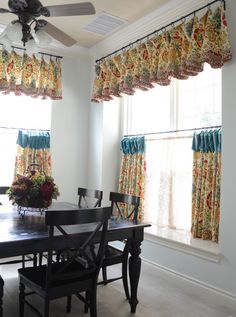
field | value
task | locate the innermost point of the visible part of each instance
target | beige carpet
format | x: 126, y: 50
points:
x: 158, y: 297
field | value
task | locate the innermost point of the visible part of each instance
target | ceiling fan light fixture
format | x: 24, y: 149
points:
x: 5, y: 41
x: 42, y: 38
x: 14, y: 32
x: 32, y: 47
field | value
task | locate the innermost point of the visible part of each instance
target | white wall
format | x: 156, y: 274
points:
x: 104, y: 153
x: 220, y: 276
x: 70, y: 127
x: 111, y: 149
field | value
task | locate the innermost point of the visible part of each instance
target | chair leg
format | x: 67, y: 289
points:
x: 1, y: 296
x: 46, y: 307
x: 87, y: 300
x: 125, y: 269
x: 21, y: 300
x: 104, y: 275
x: 68, y: 305
x: 35, y: 259
x: 93, y: 301
x: 23, y: 261
x: 125, y: 277
x: 40, y: 258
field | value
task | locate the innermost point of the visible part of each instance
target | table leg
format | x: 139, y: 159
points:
x: 1, y: 296
x: 134, y: 273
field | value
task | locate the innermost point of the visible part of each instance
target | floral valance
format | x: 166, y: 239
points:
x: 179, y: 52
x: 29, y: 75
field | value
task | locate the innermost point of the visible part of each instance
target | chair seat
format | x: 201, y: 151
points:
x: 112, y: 256
x: 37, y: 275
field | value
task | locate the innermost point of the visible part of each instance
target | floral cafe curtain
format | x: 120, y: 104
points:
x: 133, y: 169
x: 179, y: 52
x: 206, y: 184
x: 33, y: 148
x: 29, y: 75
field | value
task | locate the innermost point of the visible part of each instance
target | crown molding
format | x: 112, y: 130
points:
x: 171, y: 11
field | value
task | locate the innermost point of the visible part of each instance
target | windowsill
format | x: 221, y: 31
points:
x: 182, y: 241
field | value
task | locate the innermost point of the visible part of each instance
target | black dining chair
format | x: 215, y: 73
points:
x: 78, y: 269
x: 124, y: 207
x: 1, y: 296
x: 24, y: 258
x: 89, y: 197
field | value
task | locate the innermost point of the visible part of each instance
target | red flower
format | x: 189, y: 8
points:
x: 46, y: 191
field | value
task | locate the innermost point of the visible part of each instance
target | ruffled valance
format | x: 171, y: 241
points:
x: 179, y: 52
x: 30, y: 76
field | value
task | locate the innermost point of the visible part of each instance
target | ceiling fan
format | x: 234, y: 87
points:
x: 29, y: 11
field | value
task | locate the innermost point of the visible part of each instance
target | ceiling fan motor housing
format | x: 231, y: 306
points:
x: 31, y: 6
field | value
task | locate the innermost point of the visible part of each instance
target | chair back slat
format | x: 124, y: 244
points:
x: 3, y: 190
x: 3, y: 194
x: 85, y: 194
x: 73, y: 216
x: 126, y: 205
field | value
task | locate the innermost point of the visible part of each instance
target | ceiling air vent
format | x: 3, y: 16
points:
x: 104, y: 24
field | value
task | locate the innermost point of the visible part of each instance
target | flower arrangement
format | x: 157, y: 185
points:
x: 34, y: 190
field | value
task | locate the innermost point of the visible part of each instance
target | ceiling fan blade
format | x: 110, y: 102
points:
x: 2, y: 10
x: 59, y: 35
x: 82, y: 8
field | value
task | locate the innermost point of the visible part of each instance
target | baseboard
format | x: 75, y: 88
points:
x: 202, y: 289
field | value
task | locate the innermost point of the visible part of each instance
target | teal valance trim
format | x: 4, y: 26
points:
x: 133, y: 145
x: 34, y: 139
x: 207, y: 141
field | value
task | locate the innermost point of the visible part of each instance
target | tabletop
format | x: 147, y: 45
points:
x: 15, y: 228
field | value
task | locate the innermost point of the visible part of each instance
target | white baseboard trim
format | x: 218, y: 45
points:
x: 202, y: 289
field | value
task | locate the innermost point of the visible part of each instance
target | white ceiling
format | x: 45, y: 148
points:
x: 129, y: 10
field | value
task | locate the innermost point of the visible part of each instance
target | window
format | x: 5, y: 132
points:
x: 18, y: 112
x: 184, y: 105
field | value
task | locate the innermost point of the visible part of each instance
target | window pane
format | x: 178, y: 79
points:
x: 150, y: 111
x: 25, y: 112
x: 168, y: 181
x: 18, y: 112
x: 199, y: 100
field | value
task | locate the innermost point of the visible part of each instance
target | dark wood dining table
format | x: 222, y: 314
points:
x: 28, y: 234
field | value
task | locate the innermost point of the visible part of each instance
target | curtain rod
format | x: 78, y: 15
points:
x: 162, y: 28
x: 51, y: 55
x: 18, y: 48
x: 25, y: 129
x: 173, y: 131
x: 42, y: 53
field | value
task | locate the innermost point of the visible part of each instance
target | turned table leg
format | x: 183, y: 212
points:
x: 134, y: 271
